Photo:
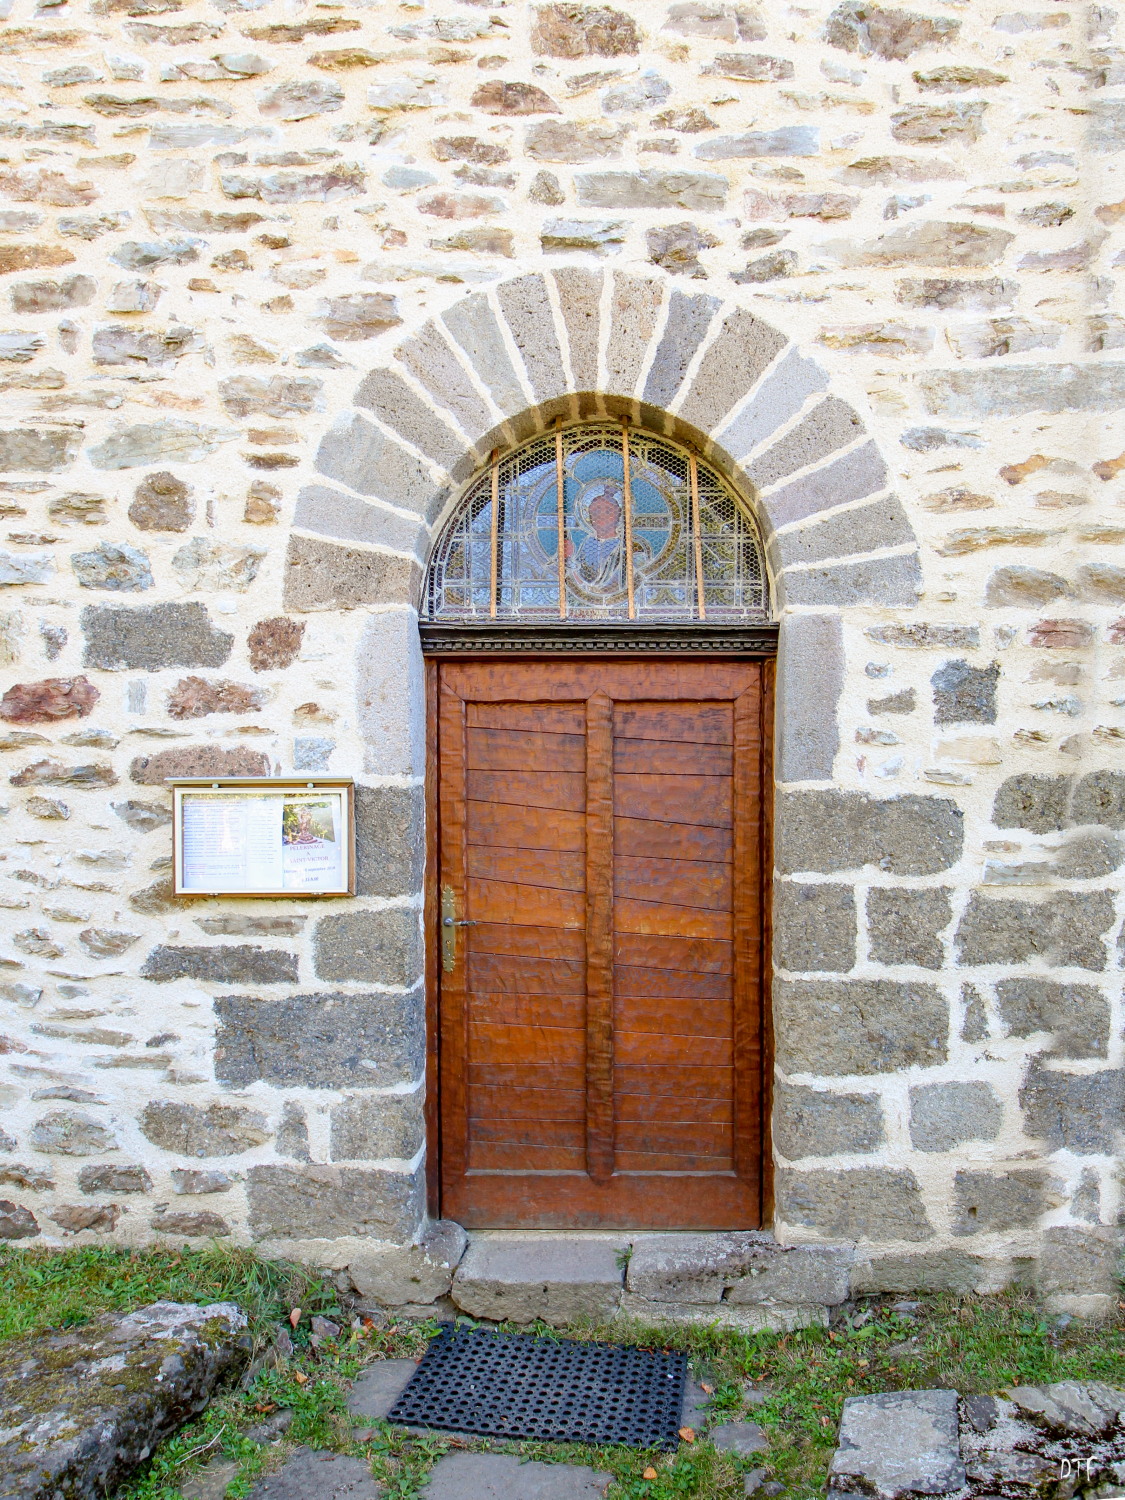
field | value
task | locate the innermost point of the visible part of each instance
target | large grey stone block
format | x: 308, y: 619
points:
x: 147, y: 640
x: 1018, y: 390
x: 904, y: 924
x: 815, y: 1122
x: 945, y: 1115
x: 688, y: 320
x: 374, y: 1127
x: 761, y: 1318
x: 1080, y: 1262
x: 320, y: 1041
x: 432, y: 362
x: 810, y: 679
x: 322, y: 575
x: 327, y: 1203
x: 579, y: 299
x: 377, y: 1388
x: 417, y: 1274
x: 830, y: 425
x: 389, y: 840
x: 346, y: 518
x: 1033, y: 801
x: 861, y: 1203
x: 369, y: 947
x: 1067, y: 929
x: 503, y: 1476
x: 998, y: 1202
x: 1077, y: 1015
x: 224, y: 963
x: 829, y: 831
x: 197, y: 1130
x: 866, y: 529
x: 840, y: 1026
x: 894, y: 581
x: 553, y: 1279
x: 814, y: 927
x: 964, y: 694
x: 742, y: 350
x: 928, y: 1271
x: 1099, y: 797
x: 473, y: 325
x: 635, y: 305
x: 527, y: 311
x: 309, y: 1472
x: 781, y: 396
x: 1080, y: 1112
x: 897, y: 1444
x: 390, y: 695
x: 744, y: 1268
x: 857, y: 474
x: 398, y: 405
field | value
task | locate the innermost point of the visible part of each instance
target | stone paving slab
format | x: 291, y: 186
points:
x: 899, y: 1443
x: 319, y: 1476
x: 377, y: 1389
x: 500, y: 1476
x: 554, y: 1278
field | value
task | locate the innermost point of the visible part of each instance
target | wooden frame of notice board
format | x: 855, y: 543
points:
x: 263, y: 836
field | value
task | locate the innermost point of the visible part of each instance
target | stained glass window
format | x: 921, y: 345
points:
x: 649, y: 532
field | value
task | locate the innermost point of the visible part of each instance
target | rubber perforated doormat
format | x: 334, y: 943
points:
x: 514, y: 1385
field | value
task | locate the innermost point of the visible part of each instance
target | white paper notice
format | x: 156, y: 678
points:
x: 231, y: 843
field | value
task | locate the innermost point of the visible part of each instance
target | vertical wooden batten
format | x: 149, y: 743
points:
x: 599, y: 937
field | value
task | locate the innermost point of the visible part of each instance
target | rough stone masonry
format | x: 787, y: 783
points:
x: 273, y: 280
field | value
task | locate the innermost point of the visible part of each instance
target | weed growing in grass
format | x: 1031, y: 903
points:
x: 793, y: 1384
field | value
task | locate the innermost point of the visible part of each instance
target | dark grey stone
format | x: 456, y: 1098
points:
x: 146, y: 640
x: 945, y: 1115
x: 742, y: 1438
x: 689, y: 318
x: 349, y: 519
x: 809, y: 689
x: 16, y: 1223
x: 831, y: 425
x: 814, y: 1122
x: 740, y: 1266
x: 377, y: 1388
x: 224, y: 963
x: 742, y: 350
x: 369, y: 947
x: 814, y: 927
x: 1080, y: 1262
x: 357, y: 453
x: 904, y: 923
x: 320, y: 575
x: 192, y: 1130
x: 1032, y: 801
x: 1089, y: 856
x: 70, y: 1430
x: 143, y: 817
x: 862, y: 1203
x: 899, y: 1442
x: 891, y: 581
x: 872, y: 527
x: 876, y: 1026
x: 1099, y: 797
x: 859, y: 473
x: 321, y: 1041
x: 390, y: 840
x: 394, y: 402
x: 1079, y: 1112
x: 927, y: 1271
x: 503, y: 1476
x: 1016, y: 390
x: 965, y: 694
x: 527, y: 311
x: 375, y: 1127
x: 829, y: 831
x: 1077, y: 1015
x: 997, y: 1202
x: 323, y: 1203
x: 110, y: 1178
x: 328, y: 1476
x: 473, y: 324
x: 1066, y: 929
x: 293, y: 1133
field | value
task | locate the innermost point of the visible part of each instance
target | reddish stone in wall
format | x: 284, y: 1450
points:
x: 1070, y: 635
x: 198, y: 760
x: 52, y: 698
x: 275, y: 643
x: 194, y: 697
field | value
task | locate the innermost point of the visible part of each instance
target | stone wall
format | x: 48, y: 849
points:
x: 864, y: 257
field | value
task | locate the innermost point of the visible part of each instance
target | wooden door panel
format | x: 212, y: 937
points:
x: 600, y: 1032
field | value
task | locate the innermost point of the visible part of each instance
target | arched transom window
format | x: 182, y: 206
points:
x: 648, y: 531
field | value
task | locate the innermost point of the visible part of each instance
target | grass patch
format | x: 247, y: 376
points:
x: 973, y: 1344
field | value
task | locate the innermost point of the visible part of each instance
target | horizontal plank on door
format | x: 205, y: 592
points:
x: 682, y: 1018
x: 516, y: 1044
x: 568, y: 1133
x: 570, y: 1201
x: 686, y: 1079
x: 565, y: 1077
x: 664, y: 838
x: 643, y: 1049
x: 671, y: 757
x: 659, y: 1109
x: 529, y: 718
x: 494, y: 824
x: 697, y: 723
x: 700, y: 801
x: 562, y: 791
x: 525, y: 905
x: 688, y: 1138
x: 485, y: 1156
x: 714, y: 682
x: 655, y: 986
x: 568, y: 1011
x: 683, y: 882
x: 522, y: 1101
x: 683, y: 955
x: 524, y: 750
x: 663, y: 920
x: 503, y: 938
x: 496, y: 975
x: 657, y: 1161
x: 561, y: 869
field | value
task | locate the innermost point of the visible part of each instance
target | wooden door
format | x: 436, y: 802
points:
x: 599, y: 864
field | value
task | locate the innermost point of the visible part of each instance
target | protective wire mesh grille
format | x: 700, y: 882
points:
x: 514, y: 1385
x: 507, y: 566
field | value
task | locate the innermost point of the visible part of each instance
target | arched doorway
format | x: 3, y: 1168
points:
x: 596, y: 618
